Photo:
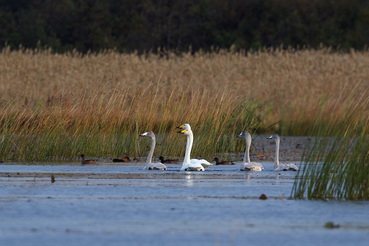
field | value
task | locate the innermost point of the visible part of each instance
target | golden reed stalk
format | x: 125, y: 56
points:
x: 90, y: 95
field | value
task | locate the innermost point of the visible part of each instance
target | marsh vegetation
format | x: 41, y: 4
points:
x: 57, y: 106
x: 337, y: 166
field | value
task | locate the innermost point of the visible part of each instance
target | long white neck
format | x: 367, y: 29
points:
x: 188, y: 147
x: 149, y: 158
x: 246, y: 157
x: 276, y: 159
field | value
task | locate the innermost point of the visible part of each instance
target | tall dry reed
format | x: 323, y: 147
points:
x: 54, y: 106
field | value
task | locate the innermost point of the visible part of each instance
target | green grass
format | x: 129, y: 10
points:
x: 336, y: 165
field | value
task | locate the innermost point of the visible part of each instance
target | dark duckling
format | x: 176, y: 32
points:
x: 217, y: 162
x: 124, y: 159
x: 162, y: 160
x: 84, y: 161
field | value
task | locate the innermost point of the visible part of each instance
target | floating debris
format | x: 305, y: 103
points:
x: 331, y: 225
x: 263, y: 197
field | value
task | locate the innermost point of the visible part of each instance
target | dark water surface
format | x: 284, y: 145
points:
x: 123, y: 205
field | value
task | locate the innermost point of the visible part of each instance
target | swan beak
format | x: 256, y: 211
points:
x: 182, y: 132
x: 180, y: 127
x: 270, y: 137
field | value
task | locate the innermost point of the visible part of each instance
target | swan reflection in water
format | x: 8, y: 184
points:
x: 189, y: 180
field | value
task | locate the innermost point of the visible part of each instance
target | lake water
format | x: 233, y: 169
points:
x: 120, y: 204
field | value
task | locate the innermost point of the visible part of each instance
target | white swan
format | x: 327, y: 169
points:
x: 277, y: 166
x: 149, y: 165
x: 191, y: 164
x: 246, y: 164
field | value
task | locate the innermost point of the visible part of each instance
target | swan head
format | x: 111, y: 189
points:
x: 245, y: 135
x: 274, y: 137
x: 147, y: 134
x: 185, y: 132
x: 186, y: 128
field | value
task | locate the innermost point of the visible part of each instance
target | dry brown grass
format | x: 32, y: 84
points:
x: 287, y: 83
x: 112, y: 92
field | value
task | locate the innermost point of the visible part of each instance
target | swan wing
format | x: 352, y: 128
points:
x: 155, y: 166
x: 252, y: 166
x: 202, y: 162
x: 286, y: 167
x: 292, y: 167
x: 159, y: 166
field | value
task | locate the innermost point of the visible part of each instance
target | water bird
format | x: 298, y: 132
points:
x: 124, y: 159
x: 188, y: 163
x: 84, y: 161
x: 217, y: 162
x: 247, y: 165
x: 149, y: 165
x: 162, y: 160
x: 277, y: 165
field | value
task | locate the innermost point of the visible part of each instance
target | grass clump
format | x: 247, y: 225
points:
x: 337, y: 166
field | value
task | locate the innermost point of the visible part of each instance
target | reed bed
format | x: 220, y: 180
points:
x: 337, y: 166
x: 102, y: 129
x: 56, y: 106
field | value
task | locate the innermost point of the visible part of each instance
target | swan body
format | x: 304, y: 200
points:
x: 203, y: 162
x: 277, y: 165
x: 149, y: 165
x: 247, y: 165
x: 188, y: 163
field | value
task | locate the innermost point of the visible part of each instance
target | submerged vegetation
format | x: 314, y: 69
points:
x: 57, y: 106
